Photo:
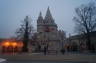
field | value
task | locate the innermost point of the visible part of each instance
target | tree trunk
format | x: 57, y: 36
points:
x: 25, y: 49
x: 88, y: 41
x: 26, y: 39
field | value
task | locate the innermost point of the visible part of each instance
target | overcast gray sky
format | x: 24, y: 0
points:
x: 12, y: 12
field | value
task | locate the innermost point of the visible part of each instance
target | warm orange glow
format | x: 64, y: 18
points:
x: 14, y: 44
x: 6, y: 44
x: 9, y: 46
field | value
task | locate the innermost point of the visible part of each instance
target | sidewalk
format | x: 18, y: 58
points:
x: 65, y: 57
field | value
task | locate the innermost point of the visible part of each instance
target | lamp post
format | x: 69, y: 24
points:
x: 14, y: 44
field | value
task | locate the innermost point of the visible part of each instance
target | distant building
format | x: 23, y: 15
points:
x: 80, y: 41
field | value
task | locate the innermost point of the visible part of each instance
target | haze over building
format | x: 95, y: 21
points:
x: 12, y: 12
x: 48, y: 34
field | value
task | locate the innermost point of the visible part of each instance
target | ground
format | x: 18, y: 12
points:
x: 91, y: 58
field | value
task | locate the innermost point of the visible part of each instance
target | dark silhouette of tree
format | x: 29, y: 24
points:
x: 25, y: 33
x: 85, y: 21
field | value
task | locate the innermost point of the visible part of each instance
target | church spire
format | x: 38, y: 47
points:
x: 48, y: 15
x: 40, y: 18
x: 40, y: 14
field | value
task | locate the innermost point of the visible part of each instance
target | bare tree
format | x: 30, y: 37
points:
x: 85, y: 21
x: 25, y: 33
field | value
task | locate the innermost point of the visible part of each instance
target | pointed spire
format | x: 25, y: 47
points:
x: 48, y: 14
x: 40, y: 14
x: 40, y: 18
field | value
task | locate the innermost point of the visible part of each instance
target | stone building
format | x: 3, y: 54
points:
x: 80, y: 41
x: 48, y: 34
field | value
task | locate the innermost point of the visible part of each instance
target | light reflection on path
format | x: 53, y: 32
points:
x: 2, y: 60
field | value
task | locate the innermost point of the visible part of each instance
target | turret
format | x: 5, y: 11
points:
x: 48, y: 17
x: 40, y: 23
x: 47, y: 24
x: 40, y: 19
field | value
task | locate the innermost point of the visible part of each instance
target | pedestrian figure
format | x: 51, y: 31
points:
x: 39, y: 48
x: 62, y: 50
x: 45, y: 50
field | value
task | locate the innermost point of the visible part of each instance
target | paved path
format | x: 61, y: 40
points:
x: 91, y: 58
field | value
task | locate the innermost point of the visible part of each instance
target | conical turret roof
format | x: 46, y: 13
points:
x: 40, y: 18
x: 48, y: 16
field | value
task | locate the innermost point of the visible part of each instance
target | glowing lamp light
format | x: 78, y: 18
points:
x: 14, y: 44
x: 6, y: 44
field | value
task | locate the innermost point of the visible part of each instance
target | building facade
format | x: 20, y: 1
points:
x: 79, y: 42
x: 48, y: 34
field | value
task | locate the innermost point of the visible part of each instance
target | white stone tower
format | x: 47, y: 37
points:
x: 48, y: 34
x: 47, y: 24
x: 40, y: 23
